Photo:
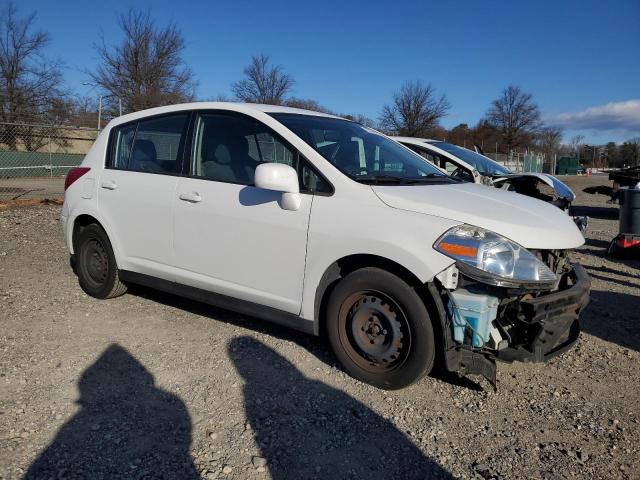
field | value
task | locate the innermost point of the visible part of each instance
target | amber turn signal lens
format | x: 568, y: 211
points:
x: 455, y: 249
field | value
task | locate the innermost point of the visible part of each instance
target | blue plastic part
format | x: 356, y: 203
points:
x: 472, y: 312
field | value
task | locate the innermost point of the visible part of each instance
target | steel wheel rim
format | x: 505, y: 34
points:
x: 374, y: 331
x: 95, y: 262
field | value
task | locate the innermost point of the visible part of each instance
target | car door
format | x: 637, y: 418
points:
x: 229, y: 236
x: 136, y: 191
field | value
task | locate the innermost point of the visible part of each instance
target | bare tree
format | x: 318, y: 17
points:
x: 516, y: 115
x: 309, y: 104
x: 576, y: 143
x: 306, y: 104
x: 549, y: 140
x: 415, y: 110
x: 263, y: 83
x: 359, y: 118
x: 30, y: 84
x: 146, y: 69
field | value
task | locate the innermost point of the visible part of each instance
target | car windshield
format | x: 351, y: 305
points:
x: 484, y: 165
x: 360, y: 152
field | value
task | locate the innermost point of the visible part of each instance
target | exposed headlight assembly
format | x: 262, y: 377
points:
x: 491, y: 258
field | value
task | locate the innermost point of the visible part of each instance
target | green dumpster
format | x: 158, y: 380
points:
x: 567, y: 166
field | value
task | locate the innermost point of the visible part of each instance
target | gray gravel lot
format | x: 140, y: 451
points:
x: 153, y: 386
x: 31, y: 187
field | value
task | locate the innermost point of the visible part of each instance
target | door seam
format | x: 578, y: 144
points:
x: 306, y: 253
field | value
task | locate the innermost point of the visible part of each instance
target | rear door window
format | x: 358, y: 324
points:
x: 154, y: 145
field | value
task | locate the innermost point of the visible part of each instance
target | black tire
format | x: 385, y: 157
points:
x: 96, y: 264
x: 379, y: 329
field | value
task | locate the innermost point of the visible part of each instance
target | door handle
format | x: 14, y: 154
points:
x: 193, y: 197
x: 110, y: 185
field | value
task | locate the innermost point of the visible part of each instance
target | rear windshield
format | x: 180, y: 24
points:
x: 360, y: 152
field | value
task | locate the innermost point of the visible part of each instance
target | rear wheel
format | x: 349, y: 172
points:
x: 96, y: 264
x: 379, y: 329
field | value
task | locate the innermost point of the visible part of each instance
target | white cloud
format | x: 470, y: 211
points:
x: 619, y: 116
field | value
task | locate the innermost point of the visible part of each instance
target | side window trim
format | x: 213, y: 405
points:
x: 258, y: 147
x: 188, y: 145
x: 117, y: 145
x: 302, y: 162
x: 112, y: 143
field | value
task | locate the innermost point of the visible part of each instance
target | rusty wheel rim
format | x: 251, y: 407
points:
x: 374, y: 331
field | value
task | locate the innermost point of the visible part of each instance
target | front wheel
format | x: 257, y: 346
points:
x: 96, y: 264
x: 379, y: 329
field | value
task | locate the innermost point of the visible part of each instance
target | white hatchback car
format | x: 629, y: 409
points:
x: 321, y: 224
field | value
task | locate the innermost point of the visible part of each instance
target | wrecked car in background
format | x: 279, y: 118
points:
x: 474, y: 167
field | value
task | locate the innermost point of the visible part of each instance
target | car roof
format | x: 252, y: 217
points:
x: 230, y: 106
x: 280, y: 109
x: 415, y: 140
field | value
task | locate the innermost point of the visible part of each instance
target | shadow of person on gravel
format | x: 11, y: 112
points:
x: 126, y: 427
x: 317, y: 346
x: 307, y: 429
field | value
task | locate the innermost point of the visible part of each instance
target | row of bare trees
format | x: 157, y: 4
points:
x: 513, y: 120
x: 146, y: 69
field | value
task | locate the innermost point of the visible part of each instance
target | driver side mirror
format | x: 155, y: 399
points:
x: 281, y: 178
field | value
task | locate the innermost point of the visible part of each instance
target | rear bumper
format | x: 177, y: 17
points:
x: 557, y: 316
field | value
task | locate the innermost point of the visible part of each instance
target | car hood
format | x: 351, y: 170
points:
x: 562, y: 189
x: 531, y: 223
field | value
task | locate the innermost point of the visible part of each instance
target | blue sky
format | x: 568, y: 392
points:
x: 578, y: 58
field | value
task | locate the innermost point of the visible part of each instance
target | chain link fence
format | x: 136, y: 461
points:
x: 34, y: 158
x: 524, y: 162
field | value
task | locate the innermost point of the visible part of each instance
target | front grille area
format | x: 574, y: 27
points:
x: 556, y: 260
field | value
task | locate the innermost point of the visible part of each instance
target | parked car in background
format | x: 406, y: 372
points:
x: 323, y: 225
x: 474, y: 167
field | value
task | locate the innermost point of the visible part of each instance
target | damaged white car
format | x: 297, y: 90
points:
x: 320, y: 224
x: 474, y: 167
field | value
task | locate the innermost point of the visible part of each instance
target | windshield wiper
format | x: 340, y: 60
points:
x: 376, y: 179
x: 379, y: 179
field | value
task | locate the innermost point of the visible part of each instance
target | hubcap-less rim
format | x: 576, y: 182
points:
x: 96, y: 262
x: 374, y: 331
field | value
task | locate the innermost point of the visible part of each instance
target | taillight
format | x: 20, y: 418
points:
x: 73, y: 175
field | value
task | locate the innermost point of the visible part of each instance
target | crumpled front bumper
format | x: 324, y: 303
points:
x: 556, y: 314
x: 553, y: 317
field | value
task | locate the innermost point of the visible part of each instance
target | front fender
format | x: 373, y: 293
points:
x: 401, y: 236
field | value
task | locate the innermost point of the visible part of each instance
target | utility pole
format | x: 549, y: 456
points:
x: 100, y: 107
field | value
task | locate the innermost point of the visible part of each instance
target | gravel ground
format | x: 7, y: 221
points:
x: 152, y: 386
x: 31, y: 187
